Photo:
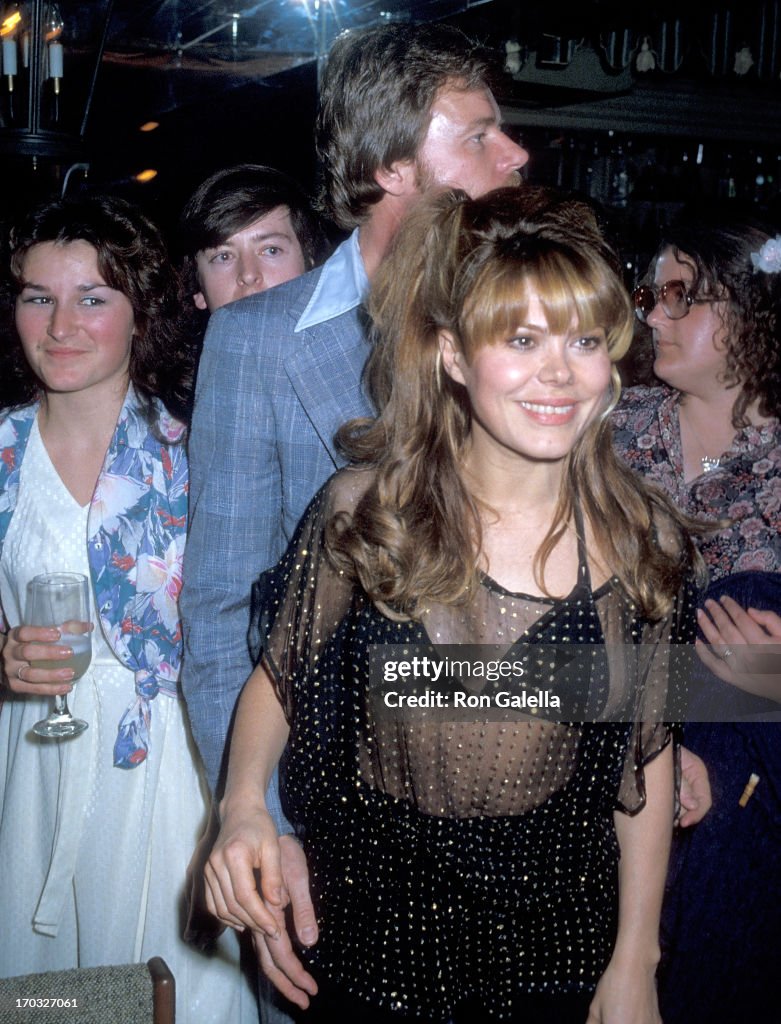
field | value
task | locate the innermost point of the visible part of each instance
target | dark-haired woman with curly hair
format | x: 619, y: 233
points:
x: 472, y: 864
x: 710, y: 435
x: 96, y: 830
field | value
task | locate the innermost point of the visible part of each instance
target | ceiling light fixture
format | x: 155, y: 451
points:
x: 49, y: 73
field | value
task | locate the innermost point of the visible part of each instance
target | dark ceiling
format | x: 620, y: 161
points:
x: 223, y: 82
x: 228, y: 83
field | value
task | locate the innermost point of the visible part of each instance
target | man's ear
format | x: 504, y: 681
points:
x: 200, y: 301
x: 400, y: 179
x: 452, y: 357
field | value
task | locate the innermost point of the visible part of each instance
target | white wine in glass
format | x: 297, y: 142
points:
x: 61, y: 599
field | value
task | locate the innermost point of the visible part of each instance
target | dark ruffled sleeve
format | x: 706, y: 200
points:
x: 667, y: 647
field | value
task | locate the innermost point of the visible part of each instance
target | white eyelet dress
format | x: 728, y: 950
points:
x: 94, y: 857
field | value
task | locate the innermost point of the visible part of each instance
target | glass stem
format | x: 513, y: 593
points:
x: 61, y: 705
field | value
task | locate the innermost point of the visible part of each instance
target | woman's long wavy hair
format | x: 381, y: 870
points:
x: 469, y: 267
x: 719, y: 250
x: 133, y: 259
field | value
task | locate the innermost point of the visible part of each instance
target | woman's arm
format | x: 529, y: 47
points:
x: 626, y: 993
x: 248, y: 839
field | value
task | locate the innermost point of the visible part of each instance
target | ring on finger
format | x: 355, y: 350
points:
x: 728, y: 652
x: 19, y: 673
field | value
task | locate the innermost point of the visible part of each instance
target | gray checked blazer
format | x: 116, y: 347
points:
x: 268, y: 403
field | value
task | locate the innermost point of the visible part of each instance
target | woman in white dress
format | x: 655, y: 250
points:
x: 96, y: 830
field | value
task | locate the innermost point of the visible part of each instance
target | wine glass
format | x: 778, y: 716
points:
x: 61, y: 599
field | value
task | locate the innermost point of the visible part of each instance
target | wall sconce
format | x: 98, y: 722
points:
x: 48, y: 78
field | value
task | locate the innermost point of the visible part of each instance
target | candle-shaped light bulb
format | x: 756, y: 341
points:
x: 11, y: 20
x: 53, y: 23
x: 53, y: 33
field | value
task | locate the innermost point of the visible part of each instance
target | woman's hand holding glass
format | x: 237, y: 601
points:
x: 26, y: 645
x: 58, y: 606
x: 248, y: 842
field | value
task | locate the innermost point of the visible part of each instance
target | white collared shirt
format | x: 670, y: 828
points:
x: 342, y: 286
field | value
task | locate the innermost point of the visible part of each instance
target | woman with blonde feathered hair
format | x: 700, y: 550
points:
x: 475, y: 294
x: 467, y: 861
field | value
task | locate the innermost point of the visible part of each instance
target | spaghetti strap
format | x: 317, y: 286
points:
x: 584, y: 574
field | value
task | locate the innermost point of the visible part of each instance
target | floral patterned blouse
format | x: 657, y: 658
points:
x: 746, y: 486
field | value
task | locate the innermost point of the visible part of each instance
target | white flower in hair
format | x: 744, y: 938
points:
x: 769, y: 256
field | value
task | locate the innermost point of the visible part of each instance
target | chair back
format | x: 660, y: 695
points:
x: 122, y: 994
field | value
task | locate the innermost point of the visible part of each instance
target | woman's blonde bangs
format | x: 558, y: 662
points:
x: 569, y: 288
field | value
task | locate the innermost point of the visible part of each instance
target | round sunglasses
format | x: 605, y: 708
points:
x: 673, y: 296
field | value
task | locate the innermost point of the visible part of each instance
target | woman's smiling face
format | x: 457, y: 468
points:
x: 75, y: 330
x: 533, y: 394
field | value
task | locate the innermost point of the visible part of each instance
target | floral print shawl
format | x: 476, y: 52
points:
x: 746, y: 487
x: 135, y: 541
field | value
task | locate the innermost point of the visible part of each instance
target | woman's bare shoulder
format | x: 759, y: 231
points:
x: 346, y: 488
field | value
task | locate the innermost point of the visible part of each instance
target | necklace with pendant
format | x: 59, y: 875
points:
x: 706, y: 461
